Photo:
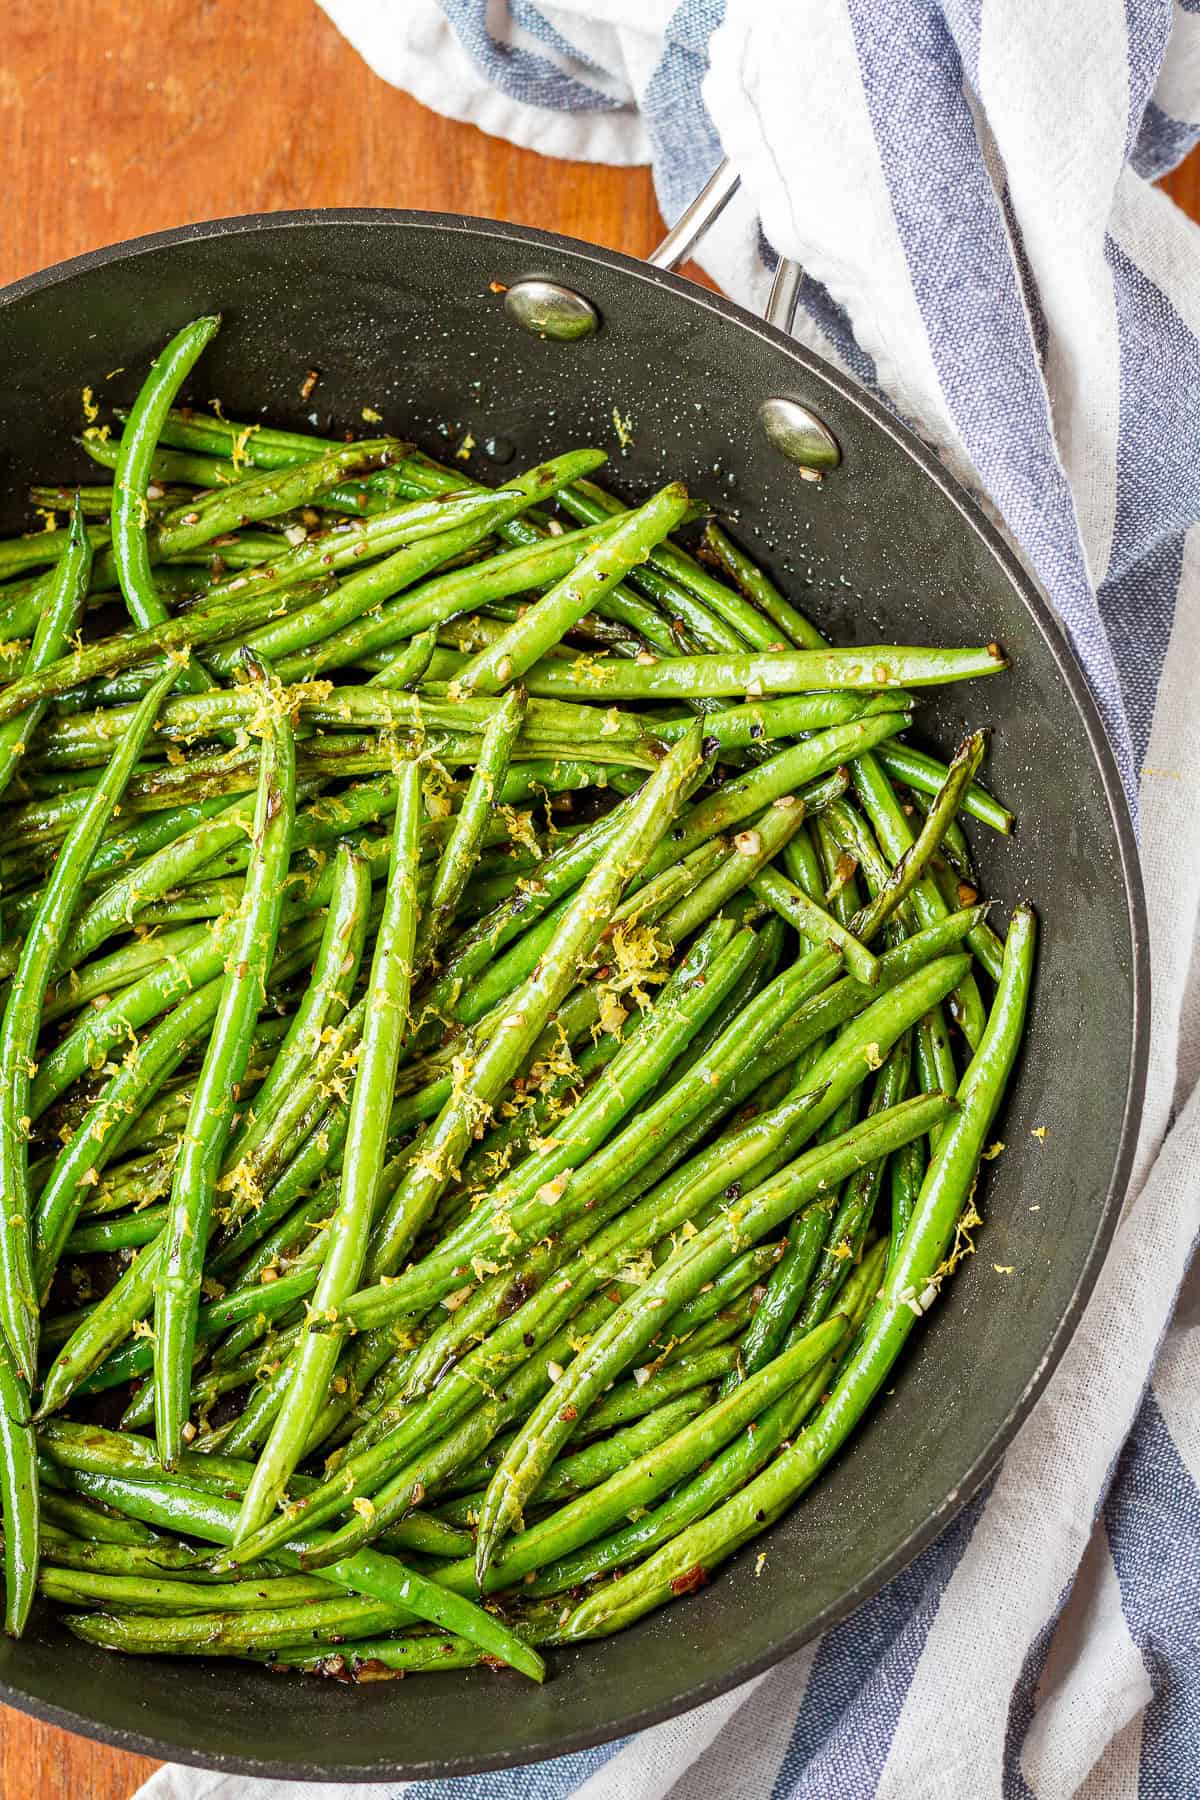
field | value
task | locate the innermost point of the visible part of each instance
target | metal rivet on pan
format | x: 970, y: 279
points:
x: 799, y: 435
x: 548, y: 310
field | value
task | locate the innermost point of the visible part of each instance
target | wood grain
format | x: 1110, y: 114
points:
x: 119, y: 118
x: 1184, y: 185
x: 113, y: 133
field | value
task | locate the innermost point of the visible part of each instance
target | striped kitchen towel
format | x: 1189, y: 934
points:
x: 967, y: 184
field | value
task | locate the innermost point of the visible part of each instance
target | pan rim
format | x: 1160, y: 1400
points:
x: 1071, y: 672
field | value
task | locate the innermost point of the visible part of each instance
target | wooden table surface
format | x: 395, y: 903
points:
x: 120, y: 118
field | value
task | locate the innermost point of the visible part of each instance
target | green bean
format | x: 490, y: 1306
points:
x: 954, y: 848
x: 840, y: 872
x: 636, y: 1319
x: 587, y: 1468
x: 887, y: 816
x: 802, y: 865
x: 926, y: 773
x: 265, y: 496
x: 117, y: 849
x: 678, y: 601
x: 714, y: 964
x: 143, y: 999
x: 852, y: 1219
x: 310, y: 879
x: 92, y: 1521
x: 18, y: 1038
x: 763, y: 1145
x: 191, y: 468
x: 359, y: 593
x: 560, y: 874
x: 348, y: 545
x: 154, y: 1560
x: 753, y: 849
x: 263, y: 1224
x: 258, y: 446
x: 129, y: 1232
x: 441, y: 597
x: 447, y: 1137
x: 653, y: 1385
x: 200, y: 626
x: 103, y: 1130
x: 814, y: 923
x: 783, y: 1295
x: 864, y: 669
x: 410, y: 663
x: 597, y: 1160
x: 849, y: 833
x: 895, y: 838
x: 462, y: 845
x: 661, y: 1034
x: 367, y: 1659
x: 370, y: 1574
x: 131, y: 478
x: 94, y: 984
x: 463, y: 1427
x: 217, y: 459
x: 153, y: 876
x: 265, y: 1302
x: 650, y: 1475
x: 218, y: 1633
x: 744, y: 1272
x: 759, y: 722
x: 787, y: 771
x: 683, y: 572
x: 63, y: 610
x: 209, y: 1385
x: 684, y: 1100
x: 311, y: 1365
x: 68, y: 1446
x: 187, y: 573
x: 305, y: 1106
x: 768, y: 950
x: 758, y: 589
x: 931, y: 1045
x: 773, y: 1135
x: 909, y: 1288
x: 987, y: 947
x: 447, y: 1339
x: 206, y: 1136
x: 934, y: 1058
x: 144, y: 1595
x: 729, y: 1470
x: 541, y: 1102
x: 325, y: 1140
x: 38, y: 547
x: 551, y: 617
x: 516, y: 1210
x: 913, y: 863
x: 18, y: 1493
x: 906, y: 1171
x: 713, y: 1338
x: 326, y: 1000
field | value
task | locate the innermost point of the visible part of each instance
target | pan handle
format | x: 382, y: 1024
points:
x: 696, y: 221
x: 549, y: 309
x: 794, y: 429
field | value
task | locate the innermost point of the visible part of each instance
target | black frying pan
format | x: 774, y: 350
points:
x: 398, y: 312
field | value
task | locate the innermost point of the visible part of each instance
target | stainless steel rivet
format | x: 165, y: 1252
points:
x: 798, y: 434
x: 549, y: 310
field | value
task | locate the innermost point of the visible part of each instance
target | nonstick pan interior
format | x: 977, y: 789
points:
x: 398, y: 314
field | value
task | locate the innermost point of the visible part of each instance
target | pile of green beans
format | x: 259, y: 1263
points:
x: 498, y: 1038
